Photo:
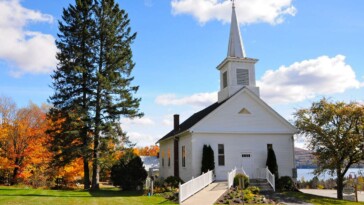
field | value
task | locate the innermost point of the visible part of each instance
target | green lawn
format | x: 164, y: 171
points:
x: 319, y: 200
x: 14, y: 195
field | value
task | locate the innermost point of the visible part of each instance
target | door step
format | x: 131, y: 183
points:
x: 263, y: 185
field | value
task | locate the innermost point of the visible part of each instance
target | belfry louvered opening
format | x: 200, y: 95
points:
x: 242, y: 76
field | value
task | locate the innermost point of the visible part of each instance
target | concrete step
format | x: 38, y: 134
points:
x: 263, y: 185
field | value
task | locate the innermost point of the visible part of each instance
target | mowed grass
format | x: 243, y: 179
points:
x: 319, y: 200
x: 17, y: 195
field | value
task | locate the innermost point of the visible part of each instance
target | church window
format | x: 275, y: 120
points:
x: 169, y: 157
x: 245, y: 155
x: 242, y: 76
x: 224, y: 79
x: 162, y: 158
x: 221, y: 154
x: 183, y: 156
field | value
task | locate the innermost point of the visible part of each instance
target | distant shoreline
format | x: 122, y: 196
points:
x: 361, y: 166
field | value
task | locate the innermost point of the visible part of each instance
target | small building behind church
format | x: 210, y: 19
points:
x: 239, y: 127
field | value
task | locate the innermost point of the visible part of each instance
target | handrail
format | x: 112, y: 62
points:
x: 231, y: 176
x: 270, y: 178
x: 194, y: 185
x: 243, y: 171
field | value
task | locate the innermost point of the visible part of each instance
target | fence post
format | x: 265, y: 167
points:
x: 274, y: 183
x: 179, y: 193
x: 152, y: 184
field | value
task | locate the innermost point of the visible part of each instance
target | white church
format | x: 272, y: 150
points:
x: 239, y: 127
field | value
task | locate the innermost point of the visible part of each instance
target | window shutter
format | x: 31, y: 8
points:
x: 242, y: 76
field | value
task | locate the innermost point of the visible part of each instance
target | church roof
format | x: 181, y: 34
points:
x: 198, y: 116
x: 235, y: 47
x: 191, y: 121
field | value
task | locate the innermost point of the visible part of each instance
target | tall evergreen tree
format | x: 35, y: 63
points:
x: 113, y: 93
x: 272, y: 163
x: 92, y: 82
x: 73, y: 86
x: 208, y: 161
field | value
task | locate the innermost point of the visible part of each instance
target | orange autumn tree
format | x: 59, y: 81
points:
x: 151, y: 150
x: 71, y: 172
x: 7, y: 116
x: 23, y: 142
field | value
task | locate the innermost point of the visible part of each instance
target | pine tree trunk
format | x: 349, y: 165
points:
x: 95, y: 166
x: 95, y: 162
x: 86, y: 171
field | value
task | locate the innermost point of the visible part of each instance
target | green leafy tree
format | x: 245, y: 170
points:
x: 208, y: 160
x: 272, y: 163
x: 335, y: 132
x: 72, y: 84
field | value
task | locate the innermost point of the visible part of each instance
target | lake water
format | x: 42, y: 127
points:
x: 308, y: 175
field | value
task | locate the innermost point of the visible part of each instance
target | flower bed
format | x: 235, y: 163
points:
x: 249, y: 195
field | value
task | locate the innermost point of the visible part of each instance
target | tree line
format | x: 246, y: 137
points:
x: 28, y: 154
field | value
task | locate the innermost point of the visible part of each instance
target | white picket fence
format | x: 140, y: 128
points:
x: 194, y: 185
x: 270, y: 178
x: 230, y: 177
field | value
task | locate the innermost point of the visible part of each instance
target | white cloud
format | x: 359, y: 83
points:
x: 195, y: 100
x: 142, y: 139
x: 25, y: 51
x: 168, y: 121
x: 301, y: 141
x: 307, y: 79
x: 137, y: 121
x: 248, y: 11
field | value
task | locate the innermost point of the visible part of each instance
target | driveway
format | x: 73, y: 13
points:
x: 329, y: 193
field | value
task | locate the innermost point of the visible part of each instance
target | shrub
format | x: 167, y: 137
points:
x: 254, y: 189
x: 272, y: 162
x: 129, y: 173
x: 285, y: 183
x: 242, y: 176
x: 208, y: 160
x: 173, y: 181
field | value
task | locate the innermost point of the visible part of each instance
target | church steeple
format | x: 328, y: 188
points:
x: 236, y: 71
x: 236, y: 47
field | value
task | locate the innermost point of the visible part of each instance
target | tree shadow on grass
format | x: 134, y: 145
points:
x: 68, y: 193
x: 166, y: 202
x: 115, y: 193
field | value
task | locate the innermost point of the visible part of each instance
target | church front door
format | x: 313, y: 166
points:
x: 247, y: 163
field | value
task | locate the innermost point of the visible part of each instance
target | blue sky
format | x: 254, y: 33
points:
x: 306, y: 50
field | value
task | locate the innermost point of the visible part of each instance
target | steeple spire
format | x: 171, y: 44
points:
x: 236, y: 47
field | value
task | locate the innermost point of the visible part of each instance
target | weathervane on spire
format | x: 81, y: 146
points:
x: 233, y: 2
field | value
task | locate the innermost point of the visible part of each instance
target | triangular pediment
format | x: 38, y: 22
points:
x: 244, y: 112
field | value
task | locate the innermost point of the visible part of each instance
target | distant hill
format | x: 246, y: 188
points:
x: 304, y: 158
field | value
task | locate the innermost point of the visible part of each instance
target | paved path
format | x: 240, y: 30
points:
x: 208, y: 195
x: 329, y: 193
x: 283, y: 199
